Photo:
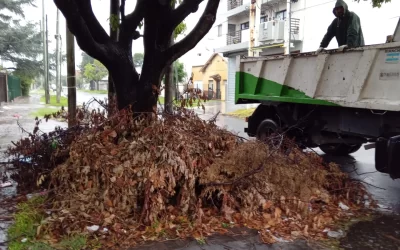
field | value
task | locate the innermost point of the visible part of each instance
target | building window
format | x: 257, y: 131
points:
x: 264, y: 19
x: 220, y: 30
x: 245, y: 26
x: 281, y: 15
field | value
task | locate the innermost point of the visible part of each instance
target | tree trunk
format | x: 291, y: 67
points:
x: 114, y: 10
x: 159, y: 20
x: 71, y: 78
x: 130, y: 91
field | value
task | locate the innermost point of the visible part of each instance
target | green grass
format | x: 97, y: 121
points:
x: 94, y: 91
x: 241, y: 113
x: 29, y: 217
x: 26, y: 221
x: 40, y: 113
x: 53, y: 101
x: 75, y: 242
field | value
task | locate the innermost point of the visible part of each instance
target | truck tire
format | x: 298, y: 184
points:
x: 265, y: 129
x: 340, y: 149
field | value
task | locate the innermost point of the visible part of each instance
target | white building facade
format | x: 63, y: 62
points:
x: 309, y: 21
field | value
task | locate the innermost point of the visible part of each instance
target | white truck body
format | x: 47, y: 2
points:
x: 335, y: 100
x: 367, y: 77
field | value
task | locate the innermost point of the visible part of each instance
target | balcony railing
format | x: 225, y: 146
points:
x: 295, y: 26
x: 234, y: 4
x: 234, y: 37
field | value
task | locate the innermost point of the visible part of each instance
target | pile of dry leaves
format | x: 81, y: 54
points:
x: 130, y: 180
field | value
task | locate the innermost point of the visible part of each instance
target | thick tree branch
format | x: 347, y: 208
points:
x: 173, y: 17
x: 200, y: 30
x: 97, y: 31
x: 80, y: 30
x: 166, y: 28
x: 131, y: 22
x: 182, y: 11
x: 151, y: 51
x: 122, y: 10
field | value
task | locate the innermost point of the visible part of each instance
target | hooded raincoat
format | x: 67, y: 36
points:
x: 347, y: 29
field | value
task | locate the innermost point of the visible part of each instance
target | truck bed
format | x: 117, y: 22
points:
x: 366, y: 77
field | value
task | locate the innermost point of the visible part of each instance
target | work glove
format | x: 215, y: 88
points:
x: 341, y: 48
x: 319, y: 50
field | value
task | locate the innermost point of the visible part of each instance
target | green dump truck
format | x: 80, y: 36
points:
x: 337, y: 101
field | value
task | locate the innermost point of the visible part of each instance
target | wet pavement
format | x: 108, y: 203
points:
x: 380, y: 233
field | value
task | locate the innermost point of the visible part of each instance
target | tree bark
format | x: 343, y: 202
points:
x: 71, y: 80
x: 160, y: 20
x: 114, y: 10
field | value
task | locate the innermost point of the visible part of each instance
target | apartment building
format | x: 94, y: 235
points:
x: 309, y: 21
x: 232, y: 32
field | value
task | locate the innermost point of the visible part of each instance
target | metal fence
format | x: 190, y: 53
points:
x: 295, y: 26
x: 234, y: 37
x: 234, y: 4
x: 14, y: 87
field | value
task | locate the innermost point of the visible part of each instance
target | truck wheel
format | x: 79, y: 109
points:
x: 265, y: 129
x: 340, y: 149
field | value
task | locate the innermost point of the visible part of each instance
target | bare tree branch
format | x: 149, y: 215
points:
x: 173, y: 17
x: 122, y: 10
x: 200, y: 30
x: 80, y: 30
x: 97, y: 31
x: 182, y: 11
x: 131, y: 22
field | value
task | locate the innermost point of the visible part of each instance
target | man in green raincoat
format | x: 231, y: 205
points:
x: 346, y: 27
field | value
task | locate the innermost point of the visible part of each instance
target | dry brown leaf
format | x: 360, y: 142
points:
x: 113, y: 134
x: 278, y: 212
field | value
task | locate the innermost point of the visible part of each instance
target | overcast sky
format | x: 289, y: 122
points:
x: 372, y: 19
x: 101, y: 9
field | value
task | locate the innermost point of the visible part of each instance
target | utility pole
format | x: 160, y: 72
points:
x: 176, y: 80
x: 58, y: 59
x: 169, y: 79
x: 45, y: 57
x: 71, y: 80
x: 254, y: 25
x: 169, y: 85
x: 289, y: 27
x: 61, y: 62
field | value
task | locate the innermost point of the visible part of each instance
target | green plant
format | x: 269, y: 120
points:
x: 201, y: 241
x: 53, y: 101
x: 226, y: 225
x: 26, y: 220
x: 75, y: 242
x: 40, y: 113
